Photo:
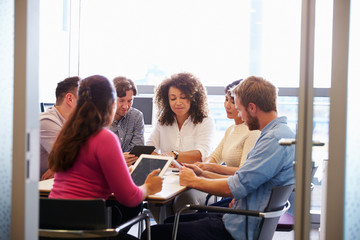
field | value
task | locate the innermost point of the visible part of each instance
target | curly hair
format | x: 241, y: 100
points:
x: 194, y: 91
x: 92, y: 113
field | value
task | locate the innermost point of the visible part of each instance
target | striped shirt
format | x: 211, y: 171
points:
x: 130, y: 129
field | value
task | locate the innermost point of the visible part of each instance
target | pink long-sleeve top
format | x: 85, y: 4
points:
x: 100, y: 169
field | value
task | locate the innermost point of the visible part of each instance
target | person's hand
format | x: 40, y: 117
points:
x: 206, y: 166
x: 232, y: 203
x: 153, y: 182
x: 130, y: 158
x: 170, y: 154
x: 47, y: 175
x: 197, y: 170
x: 186, y: 177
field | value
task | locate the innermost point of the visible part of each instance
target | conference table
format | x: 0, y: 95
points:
x: 170, y: 189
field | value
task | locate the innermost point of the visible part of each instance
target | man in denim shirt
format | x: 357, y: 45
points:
x: 268, y: 165
x: 128, y: 122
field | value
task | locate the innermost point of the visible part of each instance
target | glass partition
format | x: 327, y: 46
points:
x: 352, y: 165
x: 6, y: 108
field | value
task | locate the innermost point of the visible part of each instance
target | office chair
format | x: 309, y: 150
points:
x: 44, y: 106
x: 287, y: 221
x: 278, y: 204
x: 80, y: 218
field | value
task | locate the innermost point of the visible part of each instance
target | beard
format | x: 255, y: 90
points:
x: 253, y: 122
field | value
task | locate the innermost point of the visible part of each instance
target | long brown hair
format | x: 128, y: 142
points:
x: 93, y: 111
x: 194, y: 91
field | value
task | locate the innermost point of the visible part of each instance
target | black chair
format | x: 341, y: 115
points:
x: 86, y: 219
x: 44, y: 106
x: 278, y: 204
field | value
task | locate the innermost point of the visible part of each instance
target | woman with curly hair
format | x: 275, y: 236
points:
x: 184, y: 130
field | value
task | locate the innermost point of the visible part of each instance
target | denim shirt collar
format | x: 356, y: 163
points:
x: 273, y: 123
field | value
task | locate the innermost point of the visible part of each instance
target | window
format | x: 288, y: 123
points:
x: 218, y: 42
x: 54, y: 46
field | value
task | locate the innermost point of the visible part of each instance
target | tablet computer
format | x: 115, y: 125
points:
x: 146, y: 164
x: 140, y: 149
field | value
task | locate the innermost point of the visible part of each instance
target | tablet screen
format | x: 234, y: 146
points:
x: 146, y: 166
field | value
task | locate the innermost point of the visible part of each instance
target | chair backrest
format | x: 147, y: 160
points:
x: 72, y: 214
x: 277, y: 201
x: 44, y: 106
x: 145, y: 105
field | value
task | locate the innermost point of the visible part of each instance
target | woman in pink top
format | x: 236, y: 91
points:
x: 87, y: 158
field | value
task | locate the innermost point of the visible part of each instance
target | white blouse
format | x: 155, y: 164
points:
x: 191, y: 137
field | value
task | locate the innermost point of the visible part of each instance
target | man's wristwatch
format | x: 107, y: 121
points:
x: 176, y: 154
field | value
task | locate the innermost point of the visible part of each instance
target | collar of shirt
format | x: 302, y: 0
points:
x: 273, y: 123
x: 123, y: 118
x: 54, y: 109
x: 185, y: 122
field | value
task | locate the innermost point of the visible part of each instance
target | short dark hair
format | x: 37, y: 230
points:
x: 259, y: 91
x: 229, y: 87
x: 122, y: 85
x: 194, y: 91
x: 68, y: 85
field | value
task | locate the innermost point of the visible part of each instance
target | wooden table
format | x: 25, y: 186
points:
x: 170, y: 190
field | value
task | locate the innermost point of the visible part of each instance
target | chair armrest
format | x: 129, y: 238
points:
x: 144, y: 216
x: 272, y: 214
x: 63, y: 233
x: 132, y: 221
x: 223, y: 210
x: 209, y: 209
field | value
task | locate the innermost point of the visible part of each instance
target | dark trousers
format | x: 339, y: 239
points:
x: 196, y: 226
x: 120, y: 213
x: 222, y: 203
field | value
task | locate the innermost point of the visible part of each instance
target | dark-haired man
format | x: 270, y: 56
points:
x: 128, y: 122
x: 267, y: 165
x: 54, y: 118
